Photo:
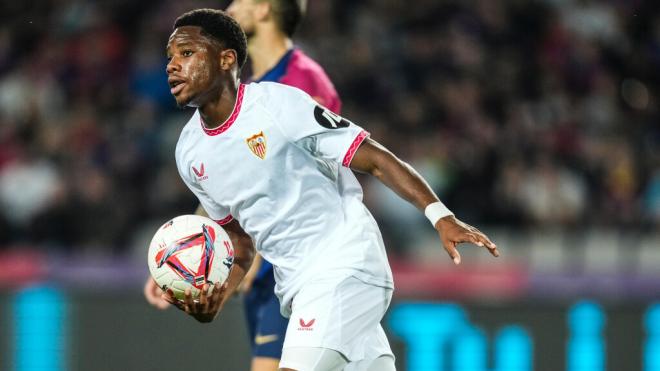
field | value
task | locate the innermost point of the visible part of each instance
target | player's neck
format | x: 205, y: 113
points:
x: 218, y: 109
x: 265, y: 49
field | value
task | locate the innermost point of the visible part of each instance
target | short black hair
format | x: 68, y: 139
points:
x: 289, y: 14
x: 220, y: 26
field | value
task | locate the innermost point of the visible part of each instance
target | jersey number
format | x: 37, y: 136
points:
x: 328, y: 119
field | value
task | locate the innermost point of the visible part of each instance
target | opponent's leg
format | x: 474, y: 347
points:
x: 268, y: 336
x: 264, y: 364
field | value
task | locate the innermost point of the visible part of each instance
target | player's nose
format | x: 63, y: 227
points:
x: 172, y: 66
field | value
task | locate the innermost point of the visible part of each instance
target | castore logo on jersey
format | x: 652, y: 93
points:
x: 200, y: 173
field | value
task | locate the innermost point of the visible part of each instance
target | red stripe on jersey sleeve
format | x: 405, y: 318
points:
x: 226, y: 220
x: 354, y: 147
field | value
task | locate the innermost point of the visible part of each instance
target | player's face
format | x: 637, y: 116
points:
x: 243, y: 11
x: 193, y: 71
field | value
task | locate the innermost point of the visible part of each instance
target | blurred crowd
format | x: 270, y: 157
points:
x: 521, y: 114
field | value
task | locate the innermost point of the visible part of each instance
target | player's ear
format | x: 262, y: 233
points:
x: 228, y: 59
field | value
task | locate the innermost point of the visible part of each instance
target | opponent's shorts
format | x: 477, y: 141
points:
x: 266, y: 326
x: 339, y: 314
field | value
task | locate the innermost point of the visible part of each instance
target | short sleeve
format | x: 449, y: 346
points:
x: 220, y: 214
x: 317, y: 129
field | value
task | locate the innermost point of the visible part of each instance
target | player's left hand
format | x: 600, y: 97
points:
x: 453, y: 231
x: 206, y: 308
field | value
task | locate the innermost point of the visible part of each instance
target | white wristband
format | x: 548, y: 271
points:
x: 436, y: 211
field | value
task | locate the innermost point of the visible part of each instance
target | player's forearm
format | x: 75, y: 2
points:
x: 200, y: 211
x: 244, y: 253
x: 397, y: 175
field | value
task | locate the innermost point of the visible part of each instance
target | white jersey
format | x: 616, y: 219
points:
x: 276, y: 165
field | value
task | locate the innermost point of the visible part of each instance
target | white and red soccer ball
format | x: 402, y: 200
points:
x: 188, y: 252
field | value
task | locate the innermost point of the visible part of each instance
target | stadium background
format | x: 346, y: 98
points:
x: 536, y: 120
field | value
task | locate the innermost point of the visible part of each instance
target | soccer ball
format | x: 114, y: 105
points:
x: 188, y: 252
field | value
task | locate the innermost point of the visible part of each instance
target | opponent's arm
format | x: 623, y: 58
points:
x: 372, y: 158
x: 248, y: 280
x: 209, y: 304
x: 154, y: 294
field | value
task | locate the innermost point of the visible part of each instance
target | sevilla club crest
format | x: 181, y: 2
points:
x: 257, y: 144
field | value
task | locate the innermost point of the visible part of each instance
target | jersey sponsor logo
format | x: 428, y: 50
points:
x: 265, y: 339
x: 329, y: 119
x: 257, y: 144
x: 200, y: 172
x: 306, y: 326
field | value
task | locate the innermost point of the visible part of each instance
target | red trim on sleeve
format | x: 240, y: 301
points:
x: 353, y: 148
x: 234, y: 115
x: 226, y: 220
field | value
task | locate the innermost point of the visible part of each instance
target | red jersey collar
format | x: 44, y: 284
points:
x: 230, y: 121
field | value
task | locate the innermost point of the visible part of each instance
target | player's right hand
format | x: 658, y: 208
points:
x: 154, y: 294
x: 206, y: 308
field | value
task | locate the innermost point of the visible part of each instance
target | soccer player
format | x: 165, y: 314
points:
x: 272, y: 156
x: 269, y: 26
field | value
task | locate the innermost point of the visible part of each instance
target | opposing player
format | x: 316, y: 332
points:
x: 272, y: 157
x: 269, y: 26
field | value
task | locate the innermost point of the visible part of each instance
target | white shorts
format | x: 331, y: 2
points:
x: 324, y: 359
x: 339, y: 314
